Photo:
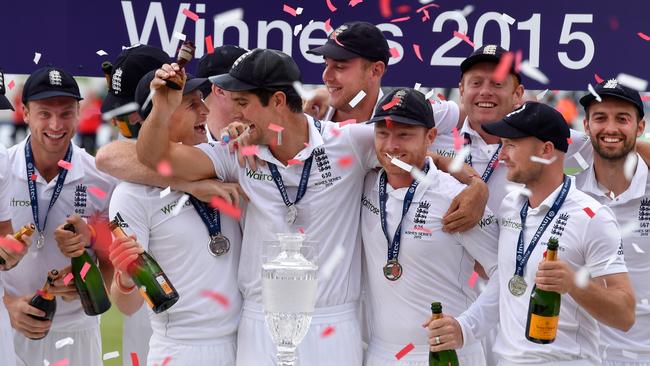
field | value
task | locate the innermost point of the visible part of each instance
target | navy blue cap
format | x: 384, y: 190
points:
x: 407, y: 106
x: 613, y: 88
x: 487, y: 53
x: 142, y: 91
x: 355, y: 39
x: 218, y: 62
x: 49, y: 82
x: 259, y: 69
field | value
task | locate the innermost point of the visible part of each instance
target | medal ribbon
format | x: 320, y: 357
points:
x: 522, y: 258
x: 393, y: 248
x: 211, y: 217
x: 304, y: 177
x: 31, y: 184
x: 491, y: 165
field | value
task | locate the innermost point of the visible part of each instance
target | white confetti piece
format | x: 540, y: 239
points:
x: 229, y: 16
x: 63, y: 342
x: 467, y: 10
x: 330, y: 264
x: 610, y: 261
x: 400, y: 164
x: 541, y: 95
x: 537, y: 159
x: 632, y: 82
x: 510, y: 20
x: 533, y: 72
x: 417, y: 86
x: 628, y: 354
x: 125, y: 109
x: 111, y: 355
x: 148, y: 100
x: 630, y: 166
x: 593, y: 92
x: 37, y: 57
x: 304, y: 94
x: 582, y: 278
x: 179, y: 35
x: 424, y: 2
x: 179, y: 205
x: 102, y: 53
x: 165, y: 192
x: 429, y: 94
x: 418, y: 175
x: 46, y: 362
x: 637, y: 248
x: 299, y: 11
x: 357, y: 98
x: 297, y: 29
x: 581, y: 161
x: 459, y: 160
x: 644, y: 301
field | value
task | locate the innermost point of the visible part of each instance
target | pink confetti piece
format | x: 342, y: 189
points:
x: 518, y: 58
x: 166, y: 361
x: 441, y: 97
x: 644, y: 36
x: 503, y: 68
x: 226, y: 208
x: 384, y: 8
x: 398, y: 20
x: 164, y: 168
x: 416, y: 49
x: 472, y: 279
x: 423, y: 8
x: 275, y: 128
x: 354, y: 3
x: 350, y: 121
x: 69, y: 277
x: 249, y: 150
x: 294, y: 162
x: 613, y: 23
x: 11, y: 244
x: 464, y: 37
x: 390, y: 104
x: 63, y: 362
x: 301, y: 230
x: 327, y: 331
x: 394, y: 52
x: 64, y: 164
x: 221, y: 299
x: 422, y: 229
x: 408, y: 348
x: 11, y: 84
x: 84, y: 271
x: 403, y: 9
x: 645, y: 98
x: 328, y: 26
x: 598, y: 78
x: 569, y: 140
x: 458, y: 141
x: 34, y: 177
x: 209, y: 45
x: 134, y: 359
x: 289, y: 10
x: 331, y: 6
x: 98, y: 192
x: 345, y: 161
x: 336, y: 132
x: 190, y: 14
x: 589, y: 212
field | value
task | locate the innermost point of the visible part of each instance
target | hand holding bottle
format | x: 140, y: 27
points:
x: 73, y: 244
x: 123, y: 251
x: 443, y: 333
x: 59, y: 288
x: 12, y: 250
x: 20, y: 314
x: 556, y: 276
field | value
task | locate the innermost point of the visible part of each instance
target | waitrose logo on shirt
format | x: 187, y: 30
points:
x: 254, y: 174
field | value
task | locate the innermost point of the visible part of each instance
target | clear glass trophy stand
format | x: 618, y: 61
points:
x: 288, y: 292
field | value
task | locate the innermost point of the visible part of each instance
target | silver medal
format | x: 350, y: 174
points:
x: 218, y: 245
x: 517, y: 285
x: 40, y: 242
x: 292, y: 214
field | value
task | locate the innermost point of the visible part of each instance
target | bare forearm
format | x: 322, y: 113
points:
x: 153, y: 139
x: 127, y: 303
x: 612, y: 306
x: 465, y: 175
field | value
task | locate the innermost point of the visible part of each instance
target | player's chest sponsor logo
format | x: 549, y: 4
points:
x: 258, y: 175
x: 169, y: 208
x: 368, y: 205
x: 511, y: 223
x: 487, y: 221
x: 419, y: 230
x: 447, y: 153
x: 19, y: 203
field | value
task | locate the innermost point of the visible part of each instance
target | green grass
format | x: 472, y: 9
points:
x: 111, y: 329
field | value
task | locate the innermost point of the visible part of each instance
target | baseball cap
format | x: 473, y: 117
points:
x: 533, y: 119
x: 407, y: 106
x: 613, y: 88
x: 218, y: 62
x: 49, y: 82
x: 142, y: 90
x: 4, y: 102
x: 129, y: 67
x: 259, y: 69
x: 487, y: 53
x: 355, y: 39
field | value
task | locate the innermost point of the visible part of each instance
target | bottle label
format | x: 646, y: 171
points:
x: 143, y: 292
x: 163, y: 284
x: 543, y: 327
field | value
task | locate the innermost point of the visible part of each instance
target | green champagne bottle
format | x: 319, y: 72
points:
x: 441, y: 358
x: 152, y: 282
x: 45, y: 301
x: 25, y: 230
x: 91, y: 288
x: 544, y: 307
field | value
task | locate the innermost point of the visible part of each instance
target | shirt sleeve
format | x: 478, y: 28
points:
x: 361, y: 138
x: 132, y: 207
x: 603, y: 244
x: 580, y: 154
x: 225, y: 164
x: 483, y: 315
x: 5, y: 185
x: 482, y: 241
x: 445, y: 115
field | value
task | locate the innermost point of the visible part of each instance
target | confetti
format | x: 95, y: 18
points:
x: 569, y: 140
x: 408, y: 348
x: 418, y: 175
x: 289, y: 10
x: 165, y: 192
x: 459, y: 160
x: 63, y: 342
x: 345, y: 161
x: 426, y: 6
x: 429, y: 94
x: 164, y: 168
x: 110, y: 355
x: 226, y: 208
x: 467, y: 10
x: 327, y: 331
x: 179, y: 204
x: 221, y: 299
x: 390, y: 104
x: 229, y: 16
x: 422, y: 229
x: 37, y: 57
x: 299, y: 10
x: 394, y: 52
x: 354, y: 3
x: 98, y: 192
x: 294, y: 162
x: 629, y: 166
x: 510, y: 20
x: 69, y: 277
x: 402, y: 19
x: 589, y: 212
x: 632, y: 82
x: 297, y: 29
x: 328, y: 26
x: 593, y: 92
x: 533, y: 73
x: 125, y: 109
x: 644, y: 36
x: 416, y: 49
x: 84, y: 271
x: 581, y: 161
x: 503, y: 68
x: 441, y: 97
x: 417, y: 85
x: 464, y: 37
x: 541, y: 95
x: 350, y: 121
x: 582, y: 277
x: 598, y: 79
x: 518, y: 56
x: 64, y: 164
x: 101, y: 53
x: 275, y: 128
x: 637, y: 248
x: 179, y: 35
x: 385, y: 9
x: 134, y: 359
x: 63, y: 362
x: 166, y: 361
x: 537, y: 159
x: 331, y: 6
x: 645, y: 98
x: 458, y: 141
x: 11, y: 84
x: 644, y: 301
x: 472, y: 279
x: 400, y: 164
x: 357, y: 98
x: 190, y: 14
x: 209, y: 45
x: 332, y: 262
x: 249, y: 150
x: 304, y: 94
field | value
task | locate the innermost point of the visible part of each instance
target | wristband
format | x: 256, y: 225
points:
x: 120, y: 286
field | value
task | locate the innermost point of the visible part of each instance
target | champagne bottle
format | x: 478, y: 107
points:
x: 544, y: 307
x: 25, y: 230
x: 45, y: 301
x: 441, y: 358
x: 150, y: 279
x: 91, y: 288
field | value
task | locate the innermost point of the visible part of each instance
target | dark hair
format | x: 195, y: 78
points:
x: 294, y: 102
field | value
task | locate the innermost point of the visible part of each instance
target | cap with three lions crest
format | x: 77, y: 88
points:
x: 405, y: 105
x: 490, y: 53
x: 355, y: 39
x: 614, y: 89
x: 49, y: 82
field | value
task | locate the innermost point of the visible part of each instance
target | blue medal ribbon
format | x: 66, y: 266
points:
x: 211, y: 217
x: 491, y: 165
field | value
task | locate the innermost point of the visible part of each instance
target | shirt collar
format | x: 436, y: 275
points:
x: 636, y: 189
x: 550, y: 199
x: 422, y: 186
x: 315, y: 141
x: 330, y: 110
x: 76, y: 172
